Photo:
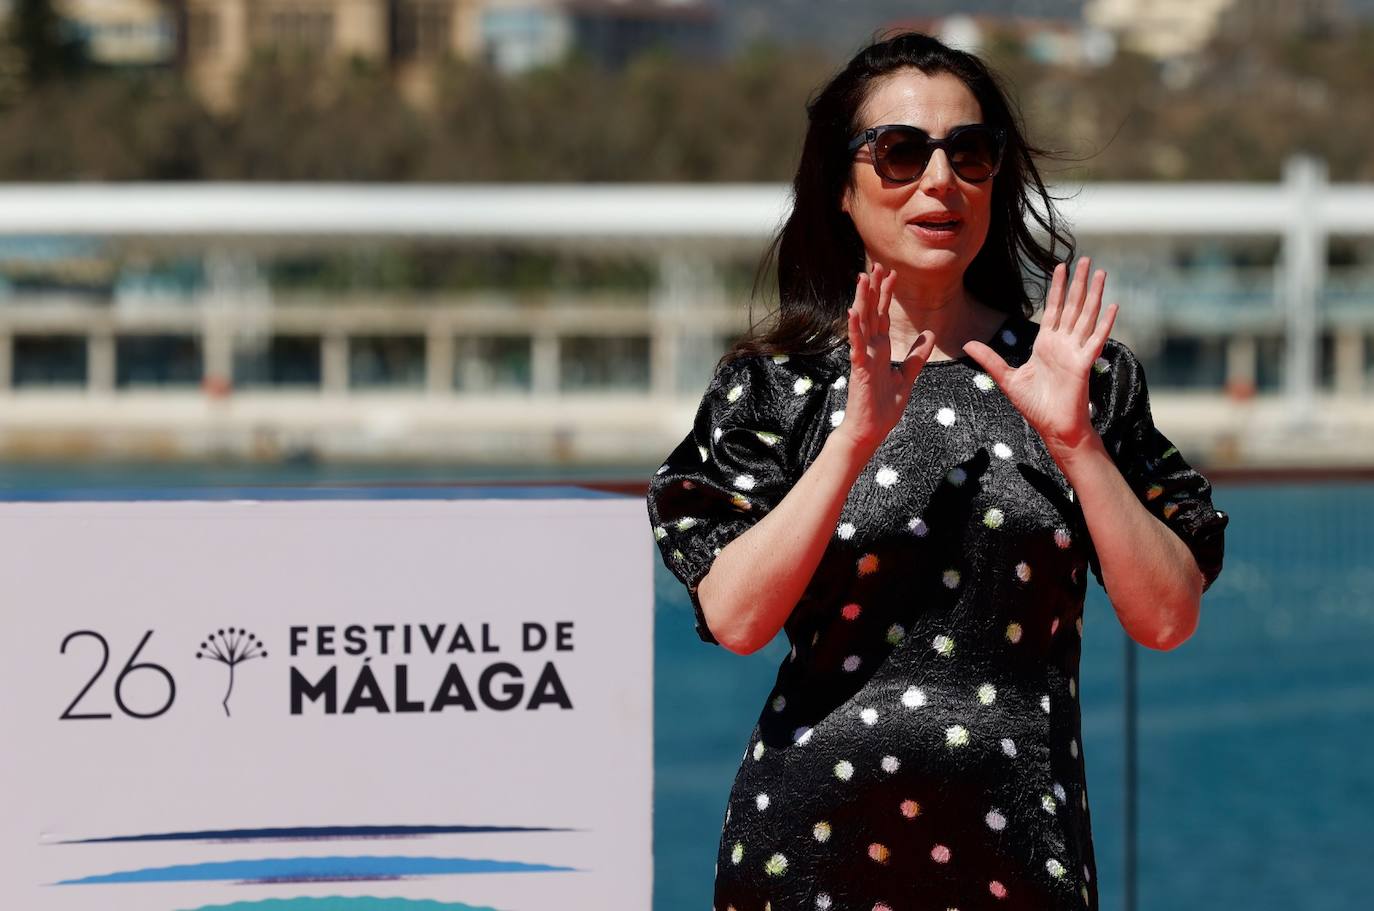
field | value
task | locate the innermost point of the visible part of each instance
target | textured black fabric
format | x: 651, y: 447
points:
x: 921, y: 745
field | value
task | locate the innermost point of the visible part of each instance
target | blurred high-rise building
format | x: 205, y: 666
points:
x: 1171, y: 29
x: 414, y: 36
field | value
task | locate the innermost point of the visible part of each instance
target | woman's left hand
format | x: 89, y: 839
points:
x: 1051, y: 388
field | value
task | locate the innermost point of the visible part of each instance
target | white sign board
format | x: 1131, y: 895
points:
x: 367, y: 704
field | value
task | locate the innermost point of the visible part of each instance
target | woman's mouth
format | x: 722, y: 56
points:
x: 936, y: 229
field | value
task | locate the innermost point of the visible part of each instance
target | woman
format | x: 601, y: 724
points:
x: 920, y: 528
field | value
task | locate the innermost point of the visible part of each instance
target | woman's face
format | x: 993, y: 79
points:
x: 886, y: 213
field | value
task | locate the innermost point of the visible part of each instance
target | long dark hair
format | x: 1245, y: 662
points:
x: 818, y: 251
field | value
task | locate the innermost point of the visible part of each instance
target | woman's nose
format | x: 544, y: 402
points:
x: 938, y: 176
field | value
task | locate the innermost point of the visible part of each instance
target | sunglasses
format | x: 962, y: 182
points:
x: 901, y: 152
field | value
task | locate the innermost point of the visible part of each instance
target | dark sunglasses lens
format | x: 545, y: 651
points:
x: 975, y: 154
x: 903, y: 156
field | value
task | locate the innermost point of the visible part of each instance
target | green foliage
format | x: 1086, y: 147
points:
x: 1248, y: 106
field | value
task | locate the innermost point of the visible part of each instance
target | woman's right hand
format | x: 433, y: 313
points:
x: 877, y: 391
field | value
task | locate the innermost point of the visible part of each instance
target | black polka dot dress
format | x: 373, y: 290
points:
x: 921, y: 747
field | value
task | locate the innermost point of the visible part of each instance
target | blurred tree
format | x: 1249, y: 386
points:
x: 48, y: 49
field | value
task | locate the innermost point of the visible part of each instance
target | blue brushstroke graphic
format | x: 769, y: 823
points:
x: 340, y: 903
x: 312, y: 833
x: 315, y: 869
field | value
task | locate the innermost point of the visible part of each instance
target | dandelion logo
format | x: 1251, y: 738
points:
x: 231, y: 648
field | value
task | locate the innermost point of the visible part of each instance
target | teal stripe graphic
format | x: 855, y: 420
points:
x: 340, y: 903
x: 314, y: 869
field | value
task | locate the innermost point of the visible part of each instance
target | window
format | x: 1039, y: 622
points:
x: 304, y: 27
x: 49, y: 360
x: 424, y: 29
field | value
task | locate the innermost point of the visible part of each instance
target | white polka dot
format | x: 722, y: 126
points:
x: 983, y: 382
x: 1009, y: 747
x: 715, y: 434
x: 945, y: 416
x: 685, y: 523
x: 1055, y: 867
x: 1009, y: 337
x: 837, y: 418
x: 801, y: 735
x: 852, y: 663
x: 737, y: 853
x: 663, y: 468
x: 1059, y: 792
x: 701, y: 451
x: 1062, y: 538
x: 891, y: 764
x: 660, y: 532
x: 779, y: 702
x: 1101, y: 365
x: 780, y: 358
x: 996, y: 821
x: 869, y: 716
x: 761, y: 801
x: 917, y: 526
x: 844, y: 770
x: 823, y: 902
x: 821, y: 832
x: 993, y: 517
x: 776, y: 866
x: 1023, y: 571
x: 1073, y: 748
x: 951, y: 578
x: 758, y: 750
x: 840, y: 382
x: 943, y: 644
x: 734, y: 393
x: 914, y: 697
x: 1045, y: 702
x: 1047, y: 803
x: 957, y: 476
x: 802, y: 385
x: 1088, y: 877
x: 766, y: 438
x: 885, y: 477
x: 1073, y: 688
x: 1014, y: 632
x: 956, y: 735
x: 745, y: 482
x: 845, y: 531
x: 987, y: 694
x: 1001, y: 450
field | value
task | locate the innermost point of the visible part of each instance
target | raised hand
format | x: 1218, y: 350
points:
x: 877, y: 391
x: 1051, y: 388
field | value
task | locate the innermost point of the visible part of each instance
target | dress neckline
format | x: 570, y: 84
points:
x: 995, y: 343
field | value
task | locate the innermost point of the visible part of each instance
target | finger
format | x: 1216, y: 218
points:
x: 870, y: 306
x: 857, y: 351
x: 1087, y: 320
x: 1073, y: 303
x: 917, y: 356
x: 1104, y: 329
x: 882, y: 341
x: 990, y: 361
x: 1054, y: 297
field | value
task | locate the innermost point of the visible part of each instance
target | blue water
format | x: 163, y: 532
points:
x: 1256, y: 782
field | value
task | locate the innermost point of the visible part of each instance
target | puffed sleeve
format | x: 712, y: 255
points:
x: 739, y: 460
x: 1165, y: 483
